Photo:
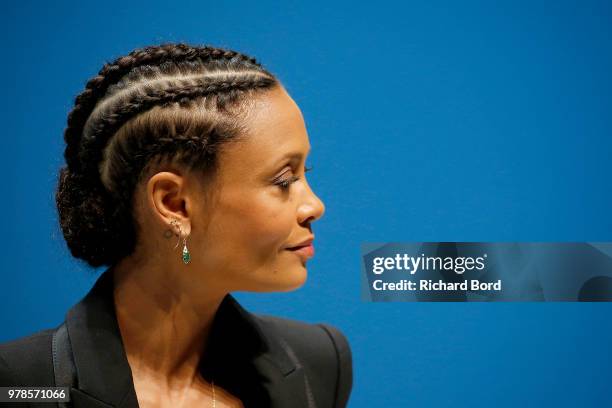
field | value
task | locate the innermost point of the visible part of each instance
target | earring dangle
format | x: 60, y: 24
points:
x: 186, y: 254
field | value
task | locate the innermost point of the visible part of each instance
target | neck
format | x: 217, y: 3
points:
x: 163, y: 326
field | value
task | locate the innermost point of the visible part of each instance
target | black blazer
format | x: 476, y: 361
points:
x: 264, y: 360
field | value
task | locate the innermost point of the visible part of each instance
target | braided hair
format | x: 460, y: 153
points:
x: 169, y: 103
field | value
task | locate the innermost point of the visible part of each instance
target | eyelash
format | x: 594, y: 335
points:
x: 285, y: 184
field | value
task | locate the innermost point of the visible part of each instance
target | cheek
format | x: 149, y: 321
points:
x: 255, y: 224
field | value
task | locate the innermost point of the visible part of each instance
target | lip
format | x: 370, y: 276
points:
x: 304, y: 243
x: 304, y: 249
x: 305, y: 252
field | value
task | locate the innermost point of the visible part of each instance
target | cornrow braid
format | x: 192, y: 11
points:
x: 172, y: 102
x: 92, y: 144
x: 111, y: 72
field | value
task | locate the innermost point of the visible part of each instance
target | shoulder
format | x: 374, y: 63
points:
x: 27, y: 361
x: 316, y: 339
x: 322, y: 349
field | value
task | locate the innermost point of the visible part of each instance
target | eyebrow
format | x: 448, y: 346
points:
x: 292, y: 155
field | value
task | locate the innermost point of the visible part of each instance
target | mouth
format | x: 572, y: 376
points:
x: 304, y: 251
x: 306, y: 242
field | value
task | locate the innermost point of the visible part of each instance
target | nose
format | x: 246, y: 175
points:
x: 312, y: 208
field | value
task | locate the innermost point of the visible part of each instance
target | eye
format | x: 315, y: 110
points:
x: 286, y: 183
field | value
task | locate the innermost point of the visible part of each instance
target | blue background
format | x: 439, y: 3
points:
x: 429, y: 121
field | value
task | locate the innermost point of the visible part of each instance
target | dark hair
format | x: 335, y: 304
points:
x: 171, y: 103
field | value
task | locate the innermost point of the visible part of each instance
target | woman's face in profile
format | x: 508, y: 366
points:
x: 241, y: 238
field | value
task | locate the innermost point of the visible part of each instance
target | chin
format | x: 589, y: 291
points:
x: 296, y: 284
x: 290, y: 280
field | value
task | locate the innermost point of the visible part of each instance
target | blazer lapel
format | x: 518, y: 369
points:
x: 286, y: 389
x: 286, y: 381
x: 104, y: 377
x: 280, y: 372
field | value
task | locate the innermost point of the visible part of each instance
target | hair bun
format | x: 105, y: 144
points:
x: 103, y: 228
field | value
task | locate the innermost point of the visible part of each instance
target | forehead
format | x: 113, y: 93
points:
x: 274, y: 127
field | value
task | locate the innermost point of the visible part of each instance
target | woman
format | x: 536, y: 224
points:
x: 186, y: 177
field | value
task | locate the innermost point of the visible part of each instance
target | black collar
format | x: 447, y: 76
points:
x: 240, y: 343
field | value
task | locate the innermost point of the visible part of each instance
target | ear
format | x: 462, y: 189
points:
x: 166, y: 200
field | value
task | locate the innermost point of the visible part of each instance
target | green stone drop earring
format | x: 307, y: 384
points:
x: 186, y: 255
